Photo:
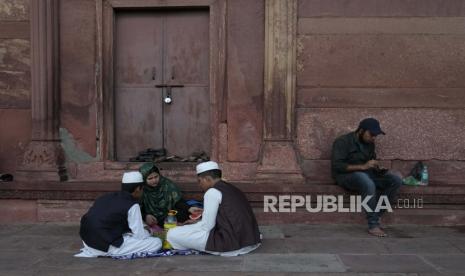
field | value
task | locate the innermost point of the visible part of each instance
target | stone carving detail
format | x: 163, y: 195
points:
x: 42, y: 154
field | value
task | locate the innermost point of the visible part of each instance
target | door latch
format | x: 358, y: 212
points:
x: 168, y: 99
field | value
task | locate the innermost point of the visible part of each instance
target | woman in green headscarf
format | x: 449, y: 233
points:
x: 160, y: 195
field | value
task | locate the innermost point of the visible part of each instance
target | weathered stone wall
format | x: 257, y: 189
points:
x: 399, y: 61
x: 78, y: 86
x: 241, y: 110
x: 245, y: 52
x: 15, y: 81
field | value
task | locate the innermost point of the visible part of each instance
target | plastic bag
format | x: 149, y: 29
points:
x: 415, y: 176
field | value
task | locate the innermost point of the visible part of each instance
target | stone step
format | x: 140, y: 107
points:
x: 434, y: 194
x: 27, y: 211
x: 67, y: 201
x: 439, y: 215
x: 112, y: 171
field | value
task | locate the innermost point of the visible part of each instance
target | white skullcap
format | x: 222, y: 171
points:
x: 207, y: 166
x: 132, y: 177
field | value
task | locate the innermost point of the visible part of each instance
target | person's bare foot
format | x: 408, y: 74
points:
x: 377, y: 232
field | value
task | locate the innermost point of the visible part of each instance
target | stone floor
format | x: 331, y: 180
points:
x: 47, y: 249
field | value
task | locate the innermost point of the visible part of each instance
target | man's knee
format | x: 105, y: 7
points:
x: 152, y: 244
x: 395, y: 180
x: 171, y: 235
x: 363, y: 182
x: 156, y: 242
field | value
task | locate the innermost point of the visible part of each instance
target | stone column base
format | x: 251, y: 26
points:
x: 42, y: 160
x: 279, y: 162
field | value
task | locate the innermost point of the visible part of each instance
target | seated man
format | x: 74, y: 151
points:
x: 113, y: 225
x: 228, y: 226
x: 354, y: 167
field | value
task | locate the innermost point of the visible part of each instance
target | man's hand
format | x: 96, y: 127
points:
x: 148, y: 229
x: 362, y: 167
x: 194, y: 210
x: 189, y: 221
x: 150, y: 220
x: 371, y: 164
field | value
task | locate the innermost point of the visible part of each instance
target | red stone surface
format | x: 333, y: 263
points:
x: 13, y: 29
x: 79, y: 191
x: 437, y: 217
x: 381, y: 61
x: 440, y: 172
x: 381, y: 97
x: 27, y: 211
x: 317, y: 171
x: 18, y: 211
x: 233, y: 171
x: 279, y: 157
x: 388, y: 8
x: 223, y: 142
x: 178, y: 172
x: 14, y: 10
x: 68, y: 201
x: 245, y: 59
x: 412, y: 80
x: 15, y: 77
x: 15, y: 133
x: 61, y: 211
x: 412, y: 134
x: 381, y: 25
x: 78, y: 93
x: 95, y: 171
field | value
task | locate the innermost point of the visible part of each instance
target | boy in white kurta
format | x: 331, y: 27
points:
x: 224, y: 205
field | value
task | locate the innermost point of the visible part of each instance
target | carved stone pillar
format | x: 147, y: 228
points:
x: 278, y: 156
x: 44, y: 158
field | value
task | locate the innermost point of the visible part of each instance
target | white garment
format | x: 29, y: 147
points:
x: 242, y: 251
x: 139, y: 240
x: 195, y: 236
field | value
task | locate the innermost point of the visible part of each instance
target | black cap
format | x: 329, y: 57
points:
x: 372, y: 125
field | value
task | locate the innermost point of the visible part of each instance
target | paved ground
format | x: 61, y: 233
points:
x: 47, y: 249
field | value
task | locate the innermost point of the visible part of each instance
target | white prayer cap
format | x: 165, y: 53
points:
x: 132, y: 177
x: 207, y: 166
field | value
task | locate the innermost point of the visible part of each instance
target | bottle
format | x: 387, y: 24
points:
x: 170, y: 222
x: 424, y: 176
x: 171, y: 217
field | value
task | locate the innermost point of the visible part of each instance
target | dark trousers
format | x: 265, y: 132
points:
x: 369, y: 183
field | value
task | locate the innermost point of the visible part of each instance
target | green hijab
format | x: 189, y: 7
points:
x: 161, y: 198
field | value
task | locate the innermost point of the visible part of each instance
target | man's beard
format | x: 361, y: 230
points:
x: 360, y: 138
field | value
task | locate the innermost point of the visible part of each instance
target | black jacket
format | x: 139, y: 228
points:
x: 107, y: 220
x: 347, y: 150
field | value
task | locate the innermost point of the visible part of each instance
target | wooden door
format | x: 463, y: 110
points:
x: 159, y: 55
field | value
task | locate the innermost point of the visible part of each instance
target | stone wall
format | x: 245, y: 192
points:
x: 78, y: 34
x: 398, y: 61
x: 15, y: 82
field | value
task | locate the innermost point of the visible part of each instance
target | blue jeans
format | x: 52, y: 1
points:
x: 368, y: 183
